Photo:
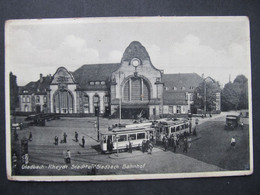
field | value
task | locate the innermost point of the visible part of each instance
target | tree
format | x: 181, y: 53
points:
x: 13, y: 92
x: 242, y: 82
x: 235, y: 95
x: 206, y: 91
x: 230, y: 97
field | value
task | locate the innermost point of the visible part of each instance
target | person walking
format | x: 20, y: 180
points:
x: 166, y: 143
x: 233, y: 141
x: 195, y: 131
x: 143, y: 146
x: 185, y: 145
x: 56, y: 140
x: 68, y: 157
x: 83, y: 142
x: 242, y: 125
x: 174, y: 143
x: 189, y: 142
x: 76, y: 136
x: 65, y: 138
x: 30, y: 136
x: 150, y: 148
x: 130, y: 146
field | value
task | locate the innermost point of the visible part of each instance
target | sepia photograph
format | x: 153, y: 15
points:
x: 128, y: 98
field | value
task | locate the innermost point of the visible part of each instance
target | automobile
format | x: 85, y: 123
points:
x: 17, y: 126
x: 232, y: 121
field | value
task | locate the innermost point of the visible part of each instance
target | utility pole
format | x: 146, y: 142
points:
x: 120, y: 99
x: 205, y: 97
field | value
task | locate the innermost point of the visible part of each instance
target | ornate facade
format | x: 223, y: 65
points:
x: 135, y: 85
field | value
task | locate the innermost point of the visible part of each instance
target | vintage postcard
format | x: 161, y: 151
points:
x: 128, y: 98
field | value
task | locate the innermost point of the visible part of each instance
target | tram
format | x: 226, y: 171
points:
x: 119, y: 138
x: 169, y: 127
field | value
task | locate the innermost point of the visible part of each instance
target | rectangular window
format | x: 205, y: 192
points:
x: 24, y: 100
x: 45, y: 99
x: 170, y: 109
x: 178, y: 128
x: 122, y: 138
x: 38, y: 99
x: 172, y: 129
x: 28, y: 99
x: 132, y: 136
x: 140, y: 135
x: 106, y: 99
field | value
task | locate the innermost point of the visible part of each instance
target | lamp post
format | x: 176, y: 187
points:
x: 205, y: 97
x: 120, y: 99
x: 97, y: 111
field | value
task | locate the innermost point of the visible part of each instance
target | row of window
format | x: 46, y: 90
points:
x: 27, y: 99
x: 95, y: 99
x: 97, y: 82
x: 175, y: 88
x: 134, y: 136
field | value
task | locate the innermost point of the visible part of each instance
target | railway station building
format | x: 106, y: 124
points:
x: 134, y: 84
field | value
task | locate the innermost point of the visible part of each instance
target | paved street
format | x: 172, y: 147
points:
x: 210, y: 150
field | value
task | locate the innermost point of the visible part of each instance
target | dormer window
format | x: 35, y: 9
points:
x: 97, y: 83
x: 191, y: 87
x: 103, y: 82
x: 25, y: 91
x: 182, y: 88
x: 166, y: 88
x: 174, y: 88
x: 92, y: 83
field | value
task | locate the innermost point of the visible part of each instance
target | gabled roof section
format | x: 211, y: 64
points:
x: 92, y: 73
x: 181, y: 81
x: 174, y: 98
x: 39, y: 87
x: 135, y: 50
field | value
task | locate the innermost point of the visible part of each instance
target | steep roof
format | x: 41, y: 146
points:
x: 135, y: 50
x: 174, y: 98
x: 92, y: 73
x: 36, y: 87
x: 181, y: 81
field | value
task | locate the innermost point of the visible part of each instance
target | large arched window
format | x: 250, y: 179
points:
x: 63, y: 102
x: 136, y: 89
x: 85, y: 103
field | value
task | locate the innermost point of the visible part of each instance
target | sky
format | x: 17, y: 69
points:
x: 218, y: 47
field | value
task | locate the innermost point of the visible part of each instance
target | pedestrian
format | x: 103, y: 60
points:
x: 56, y: 140
x: 185, y: 145
x: 68, y: 157
x: 195, y: 131
x: 178, y: 141
x: 233, y: 141
x: 242, y: 125
x: 30, y: 136
x: 109, y: 145
x: 190, y: 126
x: 189, y: 142
x: 143, y: 146
x: 65, y: 138
x: 130, y: 146
x: 83, y: 142
x: 76, y: 136
x: 150, y: 148
x: 166, y: 143
x: 174, y: 143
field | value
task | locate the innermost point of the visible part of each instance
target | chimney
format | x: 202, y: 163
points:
x: 41, y: 78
